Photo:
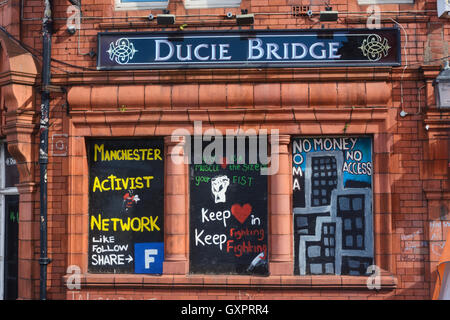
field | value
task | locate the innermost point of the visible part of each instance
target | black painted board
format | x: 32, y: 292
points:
x: 332, y: 205
x: 228, y: 216
x: 11, y: 247
x: 126, y: 205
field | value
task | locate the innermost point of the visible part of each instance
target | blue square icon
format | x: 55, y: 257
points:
x: 149, y: 257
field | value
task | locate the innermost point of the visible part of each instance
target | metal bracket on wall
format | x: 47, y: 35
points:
x: 44, y: 261
x: 53, y: 88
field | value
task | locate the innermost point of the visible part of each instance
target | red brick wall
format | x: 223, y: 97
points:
x: 412, y: 163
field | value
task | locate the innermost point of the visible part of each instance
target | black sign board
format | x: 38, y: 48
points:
x: 126, y: 206
x: 249, y: 49
x: 228, y: 213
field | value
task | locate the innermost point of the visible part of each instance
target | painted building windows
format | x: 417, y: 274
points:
x: 141, y: 4
x: 324, y: 180
x: 332, y: 200
x: 126, y: 206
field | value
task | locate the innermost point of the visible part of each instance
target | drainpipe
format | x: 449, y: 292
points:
x: 43, y: 144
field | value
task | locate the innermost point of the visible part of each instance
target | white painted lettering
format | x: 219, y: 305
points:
x: 255, y: 44
x: 313, y: 54
x: 158, y: 50
x: 333, y: 48
x: 272, y: 49
x: 294, y: 50
x: 223, y: 50
x: 197, y: 54
x: 188, y: 56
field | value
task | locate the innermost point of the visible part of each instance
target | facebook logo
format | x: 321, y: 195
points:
x: 149, y: 257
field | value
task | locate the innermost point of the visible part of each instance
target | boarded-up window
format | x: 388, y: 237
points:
x: 126, y: 206
x: 228, y: 210
x: 332, y: 200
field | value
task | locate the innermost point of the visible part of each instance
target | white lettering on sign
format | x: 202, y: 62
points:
x: 10, y: 161
x: 105, y: 252
x: 208, y: 52
x: 110, y: 259
x: 328, y: 144
x: 216, y: 239
x: 216, y: 216
x: 148, y: 254
x: 165, y: 50
x: 296, y: 51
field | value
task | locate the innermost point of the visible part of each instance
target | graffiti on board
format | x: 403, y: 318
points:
x: 228, y: 215
x: 332, y: 205
x: 126, y: 212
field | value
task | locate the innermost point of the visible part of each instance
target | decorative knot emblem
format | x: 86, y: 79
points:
x: 122, y: 52
x: 373, y: 47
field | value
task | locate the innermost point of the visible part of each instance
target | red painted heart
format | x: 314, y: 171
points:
x: 241, y: 213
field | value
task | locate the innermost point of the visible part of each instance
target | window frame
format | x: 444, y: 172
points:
x: 371, y: 2
x: 119, y: 5
x: 205, y: 4
x: 3, y: 192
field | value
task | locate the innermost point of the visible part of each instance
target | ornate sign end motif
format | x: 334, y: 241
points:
x: 122, y: 52
x: 374, y: 48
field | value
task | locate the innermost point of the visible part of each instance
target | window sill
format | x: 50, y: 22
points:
x: 199, y: 4
x: 368, y: 2
x: 142, y: 6
x: 136, y: 281
x: 212, y: 6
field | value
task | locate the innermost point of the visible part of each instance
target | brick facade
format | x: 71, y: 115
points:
x: 411, y: 191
